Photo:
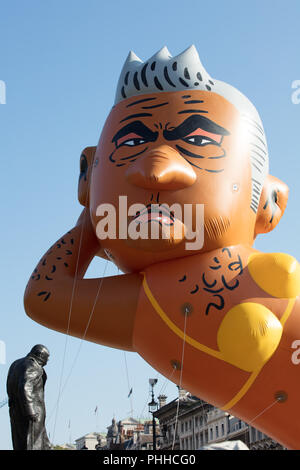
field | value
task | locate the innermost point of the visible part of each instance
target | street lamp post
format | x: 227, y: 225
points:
x: 153, y: 406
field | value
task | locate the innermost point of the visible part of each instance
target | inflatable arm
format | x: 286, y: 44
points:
x: 58, y: 297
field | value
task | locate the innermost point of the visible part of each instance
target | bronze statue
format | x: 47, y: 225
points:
x: 25, y: 388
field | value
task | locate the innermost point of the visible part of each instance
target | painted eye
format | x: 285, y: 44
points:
x: 133, y: 142
x: 198, y: 140
x: 200, y: 137
x: 130, y: 140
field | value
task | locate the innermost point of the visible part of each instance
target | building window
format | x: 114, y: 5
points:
x: 217, y: 432
x: 222, y: 429
x: 186, y: 426
x: 182, y: 427
x: 196, y: 421
x: 211, y: 434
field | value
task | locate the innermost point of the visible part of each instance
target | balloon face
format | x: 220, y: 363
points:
x: 178, y: 148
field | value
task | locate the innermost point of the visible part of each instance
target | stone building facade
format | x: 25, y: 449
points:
x: 188, y: 423
x: 130, y: 434
x: 87, y: 442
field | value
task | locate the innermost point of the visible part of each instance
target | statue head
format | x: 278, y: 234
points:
x: 177, y: 136
x: 40, y: 353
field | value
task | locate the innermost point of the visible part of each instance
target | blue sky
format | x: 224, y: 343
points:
x: 60, y: 61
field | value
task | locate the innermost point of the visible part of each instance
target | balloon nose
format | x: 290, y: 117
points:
x: 161, y: 168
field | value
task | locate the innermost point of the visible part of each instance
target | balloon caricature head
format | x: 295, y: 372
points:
x: 177, y: 136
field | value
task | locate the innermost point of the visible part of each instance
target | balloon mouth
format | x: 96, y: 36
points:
x: 162, y: 216
x: 151, y: 227
x: 155, y: 229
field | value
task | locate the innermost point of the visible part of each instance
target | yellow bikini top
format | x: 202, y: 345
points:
x: 250, y: 333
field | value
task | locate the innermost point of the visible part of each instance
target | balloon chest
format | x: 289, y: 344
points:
x: 222, y: 327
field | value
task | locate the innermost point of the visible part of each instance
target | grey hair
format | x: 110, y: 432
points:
x: 259, y: 158
x: 164, y: 73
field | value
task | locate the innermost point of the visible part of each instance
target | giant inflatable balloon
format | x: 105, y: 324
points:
x: 175, y: 194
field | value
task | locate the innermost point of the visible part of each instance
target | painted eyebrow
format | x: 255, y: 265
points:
x: 137, y: 127
x: 191, y: 124
x: 135, y: 116
x: 190, y: 111
x: 193, y: 101
x: 140, y: 101
x: 155, y: 105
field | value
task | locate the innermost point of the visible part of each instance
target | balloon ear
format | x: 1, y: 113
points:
x: 272, y: 204
x: 86, y: 163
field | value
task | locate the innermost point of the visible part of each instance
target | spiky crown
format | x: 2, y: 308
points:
x: 162, y: 72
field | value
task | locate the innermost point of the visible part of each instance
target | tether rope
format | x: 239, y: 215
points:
x: 68, y: 328
x: 71, y: 303
x: 130, y: 390
x: 249, y: 424
x: 180, y: 379
x: 82, y: 338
